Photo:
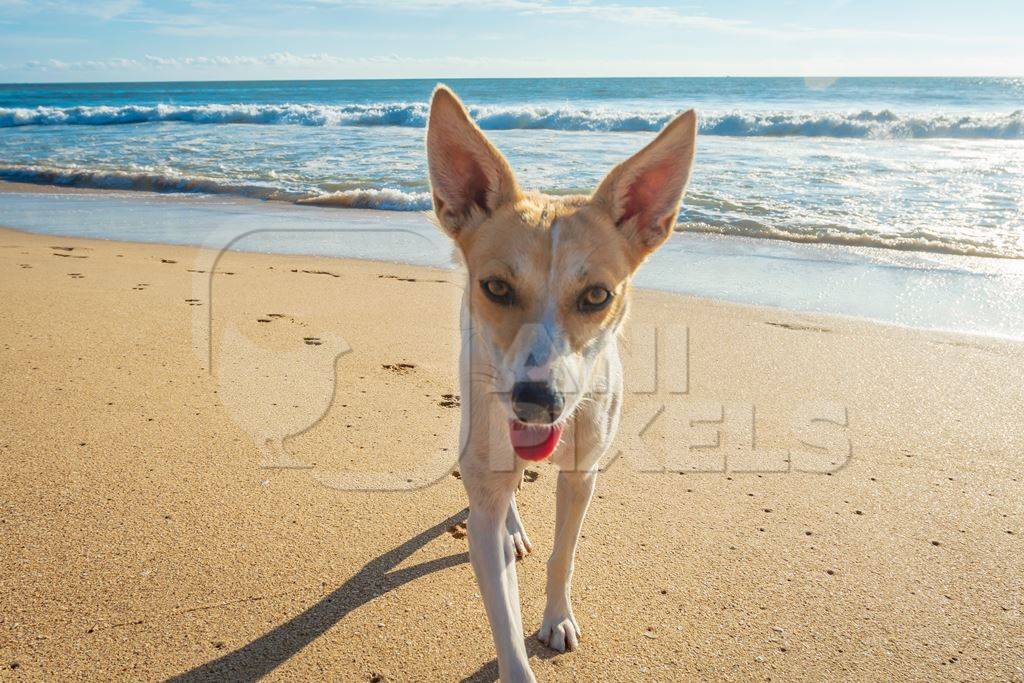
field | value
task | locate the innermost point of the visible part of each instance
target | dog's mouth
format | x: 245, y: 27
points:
x: 533, y: 442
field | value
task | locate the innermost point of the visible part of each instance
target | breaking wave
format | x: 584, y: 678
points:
x: 142, y: 181
x: 864, y: 124
x: 388, y: 199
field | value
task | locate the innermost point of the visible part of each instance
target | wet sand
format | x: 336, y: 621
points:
x: 179, y: 431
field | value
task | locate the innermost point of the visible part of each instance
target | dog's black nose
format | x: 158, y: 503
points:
x: 536, y: 402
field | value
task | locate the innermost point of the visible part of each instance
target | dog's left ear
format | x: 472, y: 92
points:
x: 469, y: 178
x: 643, y: 193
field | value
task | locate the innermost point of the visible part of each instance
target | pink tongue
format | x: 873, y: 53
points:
x: 533, y: 442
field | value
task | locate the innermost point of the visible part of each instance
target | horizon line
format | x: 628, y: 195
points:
x: 440, y: 79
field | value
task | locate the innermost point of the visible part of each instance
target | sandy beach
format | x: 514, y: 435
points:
x: 142, y: 535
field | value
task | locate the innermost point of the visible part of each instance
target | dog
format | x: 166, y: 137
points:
x: 540, y: 374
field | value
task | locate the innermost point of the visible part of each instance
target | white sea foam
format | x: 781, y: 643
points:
x: 849, y: 237
x: 141, y: 181
x: 388, y: 199
x: 862, y: 124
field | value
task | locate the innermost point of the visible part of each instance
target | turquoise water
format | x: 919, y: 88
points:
x: 925, y: 165
x: 875, y: 198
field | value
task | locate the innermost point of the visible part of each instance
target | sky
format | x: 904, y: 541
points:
x: 159, y: 40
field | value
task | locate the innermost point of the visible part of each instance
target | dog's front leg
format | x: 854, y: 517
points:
x: 493, y: 556
x: 559, y: 631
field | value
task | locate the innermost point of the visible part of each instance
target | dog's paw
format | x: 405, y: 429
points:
x: 520, y: 543
x: 561, y: 633
x: 517, y: 538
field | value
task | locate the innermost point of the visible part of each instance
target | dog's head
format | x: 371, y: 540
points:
x: 549, y: 276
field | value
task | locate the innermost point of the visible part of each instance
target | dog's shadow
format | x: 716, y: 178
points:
x: 261, y: 656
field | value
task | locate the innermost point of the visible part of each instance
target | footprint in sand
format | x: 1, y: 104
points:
x: 312, y: 341
x: 408, y: 279
x: 75, y: 276
x: 167, y: 260
x: 399, y: 368
x: 316, y: 272
x: 141, y: 286
x: 449, y: 401
x: 193, y: 302
x: 24, y: 265
x: 798, y: 327
x: 458, y: 531
x: 271, y: 317
x: 530, y: 475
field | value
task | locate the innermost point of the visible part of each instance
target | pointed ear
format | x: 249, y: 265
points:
x: 469, y: 178
x: 642, y: 194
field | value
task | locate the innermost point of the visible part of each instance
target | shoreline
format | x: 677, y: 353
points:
x: 143, y: 538
x: 793, y: 277
x: 808, y: 319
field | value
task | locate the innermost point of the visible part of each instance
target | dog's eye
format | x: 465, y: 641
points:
x: 498, y: 291
x: 594, y: 299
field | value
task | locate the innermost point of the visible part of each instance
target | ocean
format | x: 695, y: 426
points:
x: 892, y: 171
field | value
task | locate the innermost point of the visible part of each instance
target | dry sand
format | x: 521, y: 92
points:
x: 140, y: 537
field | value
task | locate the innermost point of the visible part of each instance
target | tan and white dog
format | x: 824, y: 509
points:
x: 547, y: 293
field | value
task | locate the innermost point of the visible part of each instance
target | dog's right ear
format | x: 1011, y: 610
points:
x: 469, y: 178
x: 643, y: 193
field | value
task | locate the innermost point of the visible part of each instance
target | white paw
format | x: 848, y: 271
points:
x: 520, y: 544
x: 518, y: 539
x: 561, y: 633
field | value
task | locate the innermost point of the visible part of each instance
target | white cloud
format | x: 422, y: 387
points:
x: 88, y: 65
x: 281, y: 60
